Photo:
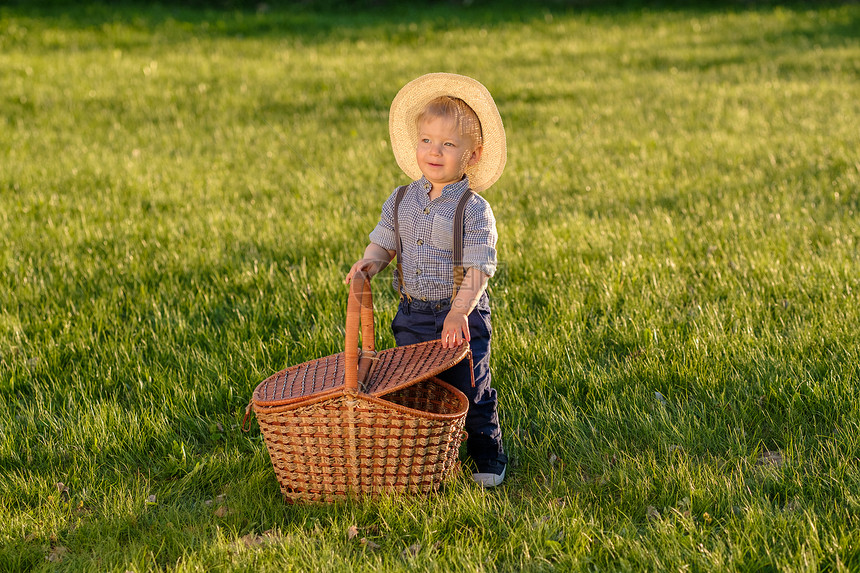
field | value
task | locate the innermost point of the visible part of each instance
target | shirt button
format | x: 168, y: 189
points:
x: 426, y: 210
x: 417, y: 271
x: 426, y: 186
x: 424, y: 298
x: 420, y: 242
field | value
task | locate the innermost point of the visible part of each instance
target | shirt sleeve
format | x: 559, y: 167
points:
x: 479, y: 238
x: 383, y: 234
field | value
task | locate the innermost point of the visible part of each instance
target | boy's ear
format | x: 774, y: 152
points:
x: 476, y: 155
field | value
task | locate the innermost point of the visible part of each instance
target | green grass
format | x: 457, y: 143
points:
x: 182, y: 190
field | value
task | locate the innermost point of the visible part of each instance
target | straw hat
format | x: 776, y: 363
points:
x: 409, y: 103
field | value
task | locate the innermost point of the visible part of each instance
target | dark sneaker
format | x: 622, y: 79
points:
x: 491, y: 472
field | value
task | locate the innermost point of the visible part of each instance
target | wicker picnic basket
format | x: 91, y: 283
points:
x: 361, y: 422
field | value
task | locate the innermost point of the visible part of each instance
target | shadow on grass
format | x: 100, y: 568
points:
x: 321, y: 21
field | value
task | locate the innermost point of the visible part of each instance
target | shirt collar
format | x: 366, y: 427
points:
x: 452, y: 189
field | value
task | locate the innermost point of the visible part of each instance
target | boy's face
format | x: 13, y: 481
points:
x: 443, y: 152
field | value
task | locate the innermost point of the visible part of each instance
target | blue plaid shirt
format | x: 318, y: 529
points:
x: 427, y: 235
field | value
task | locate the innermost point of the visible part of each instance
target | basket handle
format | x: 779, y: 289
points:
x: 359, y: 310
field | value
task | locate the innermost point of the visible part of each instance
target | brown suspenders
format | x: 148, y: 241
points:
x: 398, y: 247
x: 459, y: 271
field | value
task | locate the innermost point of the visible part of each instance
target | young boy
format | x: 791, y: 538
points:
x: 447, y: 135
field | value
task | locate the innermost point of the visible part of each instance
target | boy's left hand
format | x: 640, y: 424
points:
x: 455, y: 330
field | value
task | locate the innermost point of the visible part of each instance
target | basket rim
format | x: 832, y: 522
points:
x: 463, y: 401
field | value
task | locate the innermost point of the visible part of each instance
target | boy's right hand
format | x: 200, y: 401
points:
x: 369, y: 266
x: 374, y: 260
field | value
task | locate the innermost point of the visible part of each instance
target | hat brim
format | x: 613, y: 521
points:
x: 410, y: 102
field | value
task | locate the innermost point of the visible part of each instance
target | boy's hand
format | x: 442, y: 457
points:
x: 455, y: 330
x: 374, y: 260
x: 366, y: 265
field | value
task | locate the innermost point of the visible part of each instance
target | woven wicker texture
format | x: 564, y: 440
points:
x: 344, y: 425
x: 389, y: 370
x: 407, y: 443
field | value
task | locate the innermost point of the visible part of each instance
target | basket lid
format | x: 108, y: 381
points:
x: 358, y: 370
x: 388, y: 370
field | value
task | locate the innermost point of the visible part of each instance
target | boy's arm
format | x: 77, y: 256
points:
x: 456, y: 328
x: 374, y: 260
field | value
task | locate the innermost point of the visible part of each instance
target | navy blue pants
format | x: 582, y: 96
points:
x: 420, y: 321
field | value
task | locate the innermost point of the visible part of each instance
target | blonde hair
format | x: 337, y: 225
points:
x: 465, y: 119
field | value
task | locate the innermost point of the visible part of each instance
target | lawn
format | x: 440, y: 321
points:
x: 676, y: 309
